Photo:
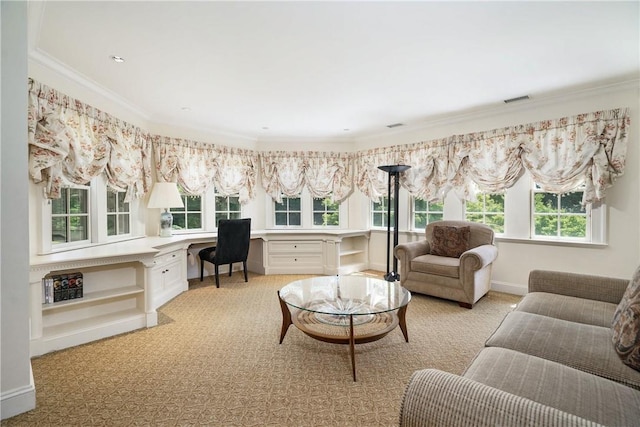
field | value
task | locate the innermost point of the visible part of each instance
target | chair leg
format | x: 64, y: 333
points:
x: 201, y: 269
x: 244, y: 266
x: 465, y: 305
x: 230, y: 269
x: 217, y: 278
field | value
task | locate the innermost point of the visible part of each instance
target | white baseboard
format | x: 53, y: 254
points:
x: 509, y: 288
x: 19, y: 400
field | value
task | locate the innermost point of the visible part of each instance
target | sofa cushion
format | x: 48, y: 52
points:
x: 626, y: 324
x: 570, y: 308
x: 440, y: 266
x: 556, y: 385
x: 450, y: 241
x: 584, y: 347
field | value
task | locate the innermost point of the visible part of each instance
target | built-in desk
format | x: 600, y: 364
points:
x: 125, y: 282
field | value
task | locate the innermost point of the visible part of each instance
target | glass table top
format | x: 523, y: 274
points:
x: 335, y: 297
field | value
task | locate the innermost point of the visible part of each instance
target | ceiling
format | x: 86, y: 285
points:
x: 269, y: 70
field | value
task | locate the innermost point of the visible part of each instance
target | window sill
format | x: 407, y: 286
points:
x: 545, y: 242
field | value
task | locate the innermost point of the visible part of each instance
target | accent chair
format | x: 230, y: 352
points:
x: 453, y: 261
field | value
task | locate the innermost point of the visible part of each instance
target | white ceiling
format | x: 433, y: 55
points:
x: 332, y: 69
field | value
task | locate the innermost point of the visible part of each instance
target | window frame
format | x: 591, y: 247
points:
x: 288, y: 212
x: 117, y: 214
x: 486, y: 213
x: 325, y: 211
x: 426, y: 212
x: 373, y: 211
x: 228, y: 212
x: 588, y: 215
x: 56, y: 247
x: 186, y: 212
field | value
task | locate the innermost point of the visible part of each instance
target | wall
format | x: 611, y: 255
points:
x: 622, y: 254
x: 17, y: 390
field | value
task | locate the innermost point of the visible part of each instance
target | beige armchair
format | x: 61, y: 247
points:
x: 464, y: 279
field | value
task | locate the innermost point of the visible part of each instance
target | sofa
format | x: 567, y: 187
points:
x: 568, y: 354
x: 453, y: 261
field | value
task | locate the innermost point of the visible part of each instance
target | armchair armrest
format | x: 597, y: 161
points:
x: 578, y: 285
x: 437, y: 398
x: 408, y: 251
x: 479, y: 257
x: 411, y: 250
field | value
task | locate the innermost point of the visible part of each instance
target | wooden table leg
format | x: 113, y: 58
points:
x: 403, y: 322
x: 286, y: 318
x: 352, y: 343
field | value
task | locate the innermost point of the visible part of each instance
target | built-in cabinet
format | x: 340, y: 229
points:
x: 125, y: 283
x: 315, y: 252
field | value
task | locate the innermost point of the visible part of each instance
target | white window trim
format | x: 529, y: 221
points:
x: 306, y: 214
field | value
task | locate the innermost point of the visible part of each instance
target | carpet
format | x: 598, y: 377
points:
x: 214, y: 360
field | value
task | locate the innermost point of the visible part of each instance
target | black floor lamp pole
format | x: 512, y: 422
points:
x: 393, y: 170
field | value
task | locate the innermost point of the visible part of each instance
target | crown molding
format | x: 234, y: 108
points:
x: 625, y: 83
x: 63, y: 70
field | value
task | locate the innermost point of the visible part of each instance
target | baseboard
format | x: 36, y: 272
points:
x: 509, y: 288
x: 19, y: 400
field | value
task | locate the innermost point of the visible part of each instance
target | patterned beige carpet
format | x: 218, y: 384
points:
x: 215, y: 360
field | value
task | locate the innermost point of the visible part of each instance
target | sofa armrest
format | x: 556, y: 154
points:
x: 578, y: 285
x: 479, y: 257
x: 438, y: 398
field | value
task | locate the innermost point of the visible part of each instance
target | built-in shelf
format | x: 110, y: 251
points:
x: 95, y: 296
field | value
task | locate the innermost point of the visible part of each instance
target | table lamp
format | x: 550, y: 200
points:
x: 165, y: 195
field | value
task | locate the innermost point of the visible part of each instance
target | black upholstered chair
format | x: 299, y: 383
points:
x: 232, y: 246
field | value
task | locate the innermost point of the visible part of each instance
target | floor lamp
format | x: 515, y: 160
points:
x: 393, y: 170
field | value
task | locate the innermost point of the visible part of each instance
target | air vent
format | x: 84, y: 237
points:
x: 395, y: 125
x: 520, y: 98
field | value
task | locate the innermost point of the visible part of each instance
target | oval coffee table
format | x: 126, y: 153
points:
x: 344, y: 309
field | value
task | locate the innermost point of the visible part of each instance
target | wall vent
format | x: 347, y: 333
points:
x: 395, y: 125
x: 519, y: 98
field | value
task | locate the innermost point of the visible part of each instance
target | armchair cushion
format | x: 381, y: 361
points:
x: 450, y: 241
x: 441, y: 266
x: 626, y: 324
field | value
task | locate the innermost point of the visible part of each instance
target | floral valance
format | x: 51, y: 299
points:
x: 73, y: 142
x: 325, y: 174
x: 196, y: 166
x: 560, y: 154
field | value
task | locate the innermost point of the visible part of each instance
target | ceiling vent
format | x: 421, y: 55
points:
x: 520, y: 98
x: 395, y: 125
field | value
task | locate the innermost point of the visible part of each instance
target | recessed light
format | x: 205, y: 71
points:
x: 118, y: 59
x: 265, y: 127
x: 185, y: 108
x: 346, y: 129
x: 395, y: 125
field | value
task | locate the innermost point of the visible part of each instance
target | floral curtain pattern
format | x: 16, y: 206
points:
x: 286, y: 173
x: 560, y: 154
x: 198, y: 165
x: 71, y: 142
x: 588, y: 148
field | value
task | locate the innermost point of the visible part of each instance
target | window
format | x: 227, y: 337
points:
x: 188, y: 217
x: 70, y: 216
x: 227, y: 207
x: 379, y: 213
x: 487, y: 209
x: 559, y: 215
x: 325, y: 212
x: 288, y: 212
x: 426, y: 212
x: 118, y: 214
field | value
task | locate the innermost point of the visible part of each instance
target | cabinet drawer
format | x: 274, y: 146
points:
x: 167, y: 258
x: 295, y: 247
x: 293, y: 261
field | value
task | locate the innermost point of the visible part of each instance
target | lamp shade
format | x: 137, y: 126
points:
x: 165, y: 195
